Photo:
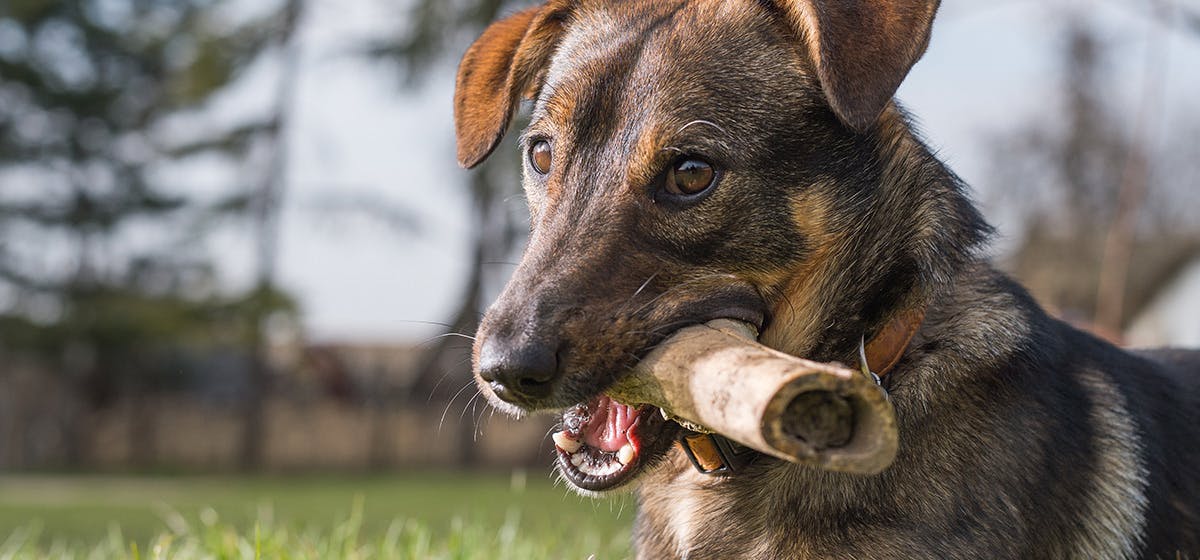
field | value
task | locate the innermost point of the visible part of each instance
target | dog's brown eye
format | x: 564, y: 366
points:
x: 689, y: 176
x: 540, y: 156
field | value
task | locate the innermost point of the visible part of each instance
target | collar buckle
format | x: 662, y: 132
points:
x: 865, y: 367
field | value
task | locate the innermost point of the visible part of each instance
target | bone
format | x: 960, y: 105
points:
x: 718, y: 377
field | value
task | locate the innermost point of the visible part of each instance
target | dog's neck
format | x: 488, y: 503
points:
x: 854, y: 285
x: 961, y: 342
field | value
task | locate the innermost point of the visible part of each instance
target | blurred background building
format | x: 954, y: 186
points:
x: 233, y: 236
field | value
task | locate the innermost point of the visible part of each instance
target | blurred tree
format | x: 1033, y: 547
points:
x: 1094, y: 209
x: 439, y: 32
x: 100, y: 272
x: 268, y: 201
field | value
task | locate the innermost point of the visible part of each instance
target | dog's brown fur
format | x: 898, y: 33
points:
x: 1020, y: 436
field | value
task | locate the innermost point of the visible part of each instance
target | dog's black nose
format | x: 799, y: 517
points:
x: 520, y: 373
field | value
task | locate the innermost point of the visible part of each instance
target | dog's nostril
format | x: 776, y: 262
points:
x: 518, y: 374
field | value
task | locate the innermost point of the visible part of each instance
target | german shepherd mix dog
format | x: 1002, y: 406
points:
x: 689, y: 160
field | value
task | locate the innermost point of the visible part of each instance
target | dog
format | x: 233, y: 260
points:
x: 689, y: 160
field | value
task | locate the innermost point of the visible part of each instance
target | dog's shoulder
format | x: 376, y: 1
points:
x: 1163, y: 388
x: 1144, y: 410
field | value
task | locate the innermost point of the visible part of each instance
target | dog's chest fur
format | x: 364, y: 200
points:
x: 1012, y: 447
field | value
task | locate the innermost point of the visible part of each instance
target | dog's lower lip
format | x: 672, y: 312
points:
x: 593, y: 471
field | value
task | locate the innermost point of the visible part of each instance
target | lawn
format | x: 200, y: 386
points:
x: 427, y: 515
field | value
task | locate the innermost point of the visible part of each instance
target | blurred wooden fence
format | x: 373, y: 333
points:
x: 301, y: 434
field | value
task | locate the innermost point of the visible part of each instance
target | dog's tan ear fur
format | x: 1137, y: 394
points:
x: 862, y: 49
x: 500, y: 67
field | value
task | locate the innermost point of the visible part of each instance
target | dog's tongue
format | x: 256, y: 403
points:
x: 607, y: 428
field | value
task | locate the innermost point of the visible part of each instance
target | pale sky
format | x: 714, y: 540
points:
x: 990, y: 66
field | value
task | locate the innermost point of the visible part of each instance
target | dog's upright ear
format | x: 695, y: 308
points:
x: 862, y: 49
x: 505, y: 63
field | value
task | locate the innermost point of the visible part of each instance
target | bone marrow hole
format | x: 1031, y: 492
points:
x: 821, y: 419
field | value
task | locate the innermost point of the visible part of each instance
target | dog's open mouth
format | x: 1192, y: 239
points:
x: 604, y: 444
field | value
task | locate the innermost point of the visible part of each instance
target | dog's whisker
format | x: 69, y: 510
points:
x: 479, y: 422
x: 476, y: 431
x: 636, y: 293
x: 702, y: 121
x: 549, y: 431
x: 446, y: 374
x: 437, y: 384
x: 721, y: 141
x: 445, y: 335
x: 470, y: 403
x: 451, y: 403
x: 682, y: 285
x: 435, y: 323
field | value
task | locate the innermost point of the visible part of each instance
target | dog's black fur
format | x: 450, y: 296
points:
x: 1021, y: 437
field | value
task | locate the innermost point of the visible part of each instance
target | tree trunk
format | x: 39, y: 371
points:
x: 269, y: 202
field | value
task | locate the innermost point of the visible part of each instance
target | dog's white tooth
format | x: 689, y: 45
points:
x: 577, y: 459
x: 565, y: 442
x: 625, y: 455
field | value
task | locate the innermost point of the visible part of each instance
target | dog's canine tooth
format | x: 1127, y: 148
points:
x: 625, y: 455
x: 577, y: 459
x: 565, y: 442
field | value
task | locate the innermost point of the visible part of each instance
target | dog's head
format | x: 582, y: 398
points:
x: 687, y: 161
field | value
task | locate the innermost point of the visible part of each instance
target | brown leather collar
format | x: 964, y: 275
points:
x: 884, y: 351
x: 717, y: 455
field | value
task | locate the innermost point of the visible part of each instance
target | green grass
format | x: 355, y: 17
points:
x: 415, y: 516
